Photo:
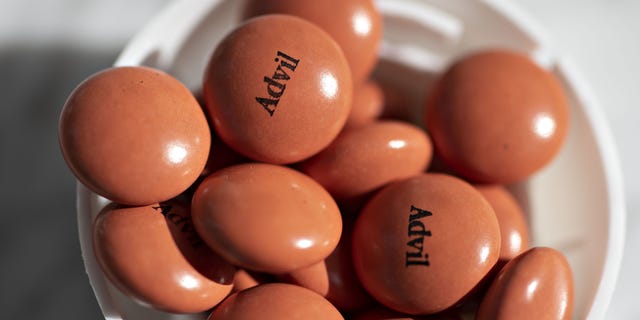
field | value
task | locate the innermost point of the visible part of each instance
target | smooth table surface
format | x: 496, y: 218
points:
x: 48, y: 46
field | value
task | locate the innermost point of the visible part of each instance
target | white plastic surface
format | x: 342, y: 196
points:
x: 575, y: 204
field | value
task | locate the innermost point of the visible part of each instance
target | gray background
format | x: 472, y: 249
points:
x: 47, y: 47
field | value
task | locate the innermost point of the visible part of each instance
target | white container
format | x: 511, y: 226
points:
x: 574, y: 205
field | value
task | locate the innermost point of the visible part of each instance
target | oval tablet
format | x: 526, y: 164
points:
x: 278, y: 89
x: 356, y: 25
x: 365, y: 158
x: 380, y: 313
x: 244, y: 280
x: 345, y: 290
x: 266, y: 217
x: 314, y: 277
x: 367, y: 106
x: 537, y: 284
x: 275, y: 301
x: 221, y: 156
x: 334, y: 277
x: 497, y: 117
x: 422, y: 244
x: 154, y: 255
x: 134, y: 135
x: 514, y: 230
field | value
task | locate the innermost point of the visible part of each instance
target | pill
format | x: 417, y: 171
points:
x: 514, y: 230
x: 314, y: 278
x: 154, y: 255
x: 278, y: 89
x: 221, y: 156
x: 367, y: 106
x: 399, y: 102
x: 134, y: 135
x: 244, y: 280
x: 422, y: 244
x: 266, y: 218
x: 275, y: 301
x: 356, y: 25
x: 334, y: 277
x: 380, y: 313
x: 345, y: 290
x: 537, y: 284
x: 497, y: 117
x: 365, y: 158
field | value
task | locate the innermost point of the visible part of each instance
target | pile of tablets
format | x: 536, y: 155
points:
x: 285, y: 194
